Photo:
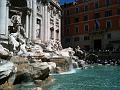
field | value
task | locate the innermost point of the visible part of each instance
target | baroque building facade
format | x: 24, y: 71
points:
x: 41, y: 19
x: 91, y: 24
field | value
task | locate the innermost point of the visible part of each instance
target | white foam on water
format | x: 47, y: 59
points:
x: 69, y: 72
x: 63, y: 73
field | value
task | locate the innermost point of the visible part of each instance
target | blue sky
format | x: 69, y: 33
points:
x: 67, y: 1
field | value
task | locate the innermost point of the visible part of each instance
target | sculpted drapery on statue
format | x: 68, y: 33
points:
x: 16, y: 20
x: 17, y: 33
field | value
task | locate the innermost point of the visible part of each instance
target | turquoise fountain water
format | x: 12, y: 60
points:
x: 92, y: 78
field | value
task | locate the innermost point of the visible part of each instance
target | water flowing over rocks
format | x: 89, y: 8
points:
x: 29, y: 71
x: 34, y: 66
x: 35, y: 60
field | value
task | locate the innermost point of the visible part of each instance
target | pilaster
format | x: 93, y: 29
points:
x: 3, y: 17
x: 48, y: 38
x: 27, y: 25
x: 42, y: 25
x: 34, y: 15
x: 54, y: 27
x: 46, y: 24
x: 59, y: 17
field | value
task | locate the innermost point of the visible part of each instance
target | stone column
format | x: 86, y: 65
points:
x: 48, y: 38
x: 30, y: 22
x: 7, y: 18
x: 54, y: 28
x: 34, y: 15
x: 30, y: 30
x: 42, y: 25
x: 27, y: 25
x: 3, y: 16
x: 46, y: 24
x: 60, y: 28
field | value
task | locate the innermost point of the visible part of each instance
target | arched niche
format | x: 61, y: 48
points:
x: 18, y: 6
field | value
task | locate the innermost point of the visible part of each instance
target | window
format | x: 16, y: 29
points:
x: 108, y: 13
x: 86, y: 27
x: 86, y: 38
x: 38, y: 21
x: 67, y: 21
x: 67, y: 40
x: 76, y: 20
x: 108, y: 2
x: 52, y: 33
x: 96, y: 4
x: 109, y: 36
x: 38, y: 28
x: 76, y: 39
x: 118, y: 11
x: 97, y: 15
x: 85, y: 18
x: 67, y: 12
x: 77, y: 9
x: 67, y: 30
x: 57, y: 34
x: 86, y: 8
x: 76, y: 29
x: 97, y: 24
x: 108, y: 24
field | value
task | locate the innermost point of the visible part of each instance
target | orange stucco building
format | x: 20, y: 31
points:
x: 91, y: 24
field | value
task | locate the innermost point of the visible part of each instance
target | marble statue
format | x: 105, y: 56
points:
x: 57, y: 45
x: 50, y: 45
x: 79, y: 53
x: 17, y: 34
x: 13, y: 41
x: 16, y: 19
x: 23, y: 50
x: 3, y: 51
x: 67, y: 52
x: 79, y: 50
